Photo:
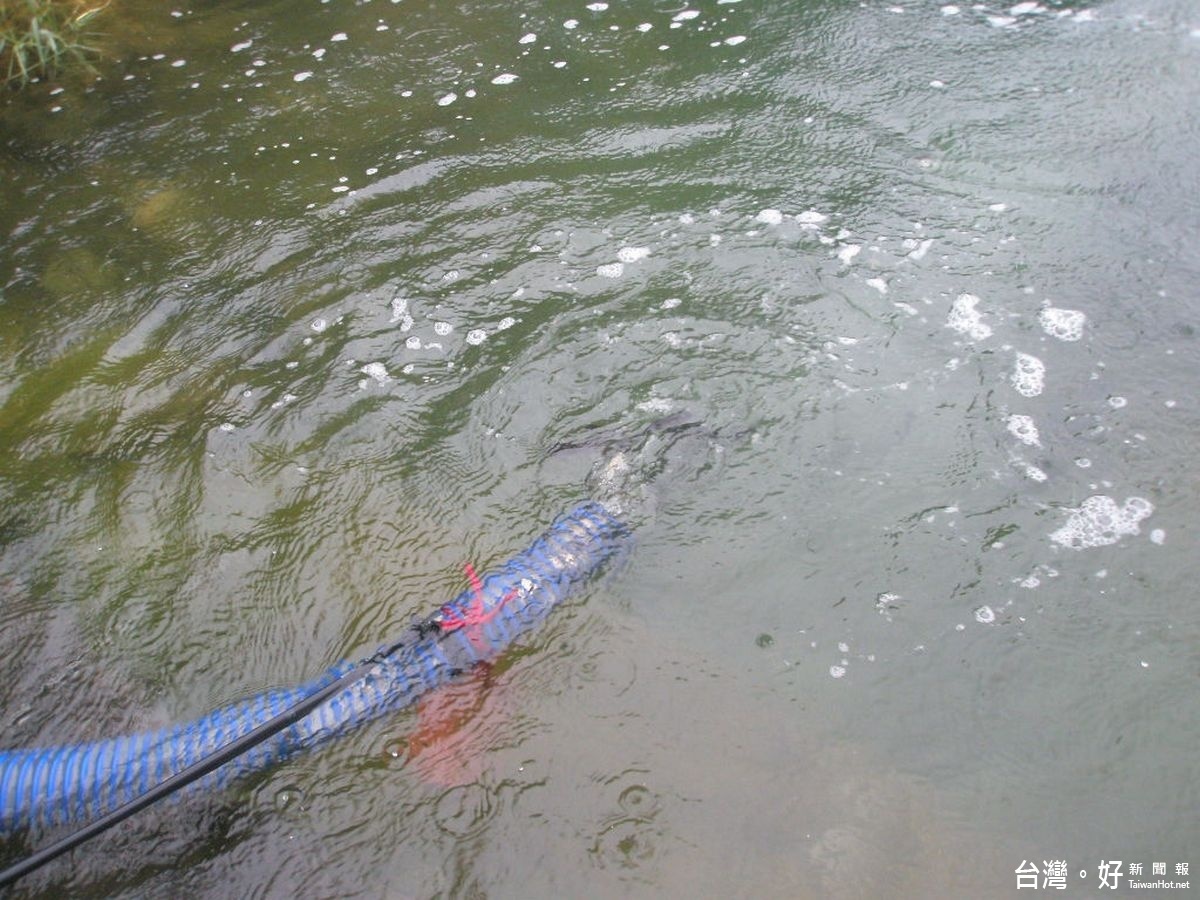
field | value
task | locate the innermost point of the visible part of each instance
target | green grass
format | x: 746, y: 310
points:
x: 40, y: 38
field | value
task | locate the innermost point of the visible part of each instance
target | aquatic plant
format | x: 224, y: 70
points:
x: 41, y: 37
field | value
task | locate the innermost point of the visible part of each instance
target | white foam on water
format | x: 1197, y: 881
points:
x: 735, y: 40
x: 1117, y: 402
x: 340, y: 36
x: 597, y: 7
x: 399, y: 309
x: 632, y: 254
x: 240, y: 46
x: 413, y: 343
x: 670, y: 303
x: 1033, y: 473
x: 447, y: 99
x: 769, y: 217
x: 644, y: 27
x: 1024, y: 429
x: 879, y: 284
x: 506, y: 323
x: 611, y: 270
x: 985, y: 615
x: 505, y: 78
x: 1158, y: 536
x: 1029, y: 375
x: 476, y: 336
x: 657, y: 405
x: 527, y: 38
x: 950, y: 10
x: 967, y: 320
x: 226, y: 426
x: 837, y: 671
x: 685, y: 15
x: 811, y: 217
x: 442, y: 328
x: 1026, y: 8
x: 848, y: 252
x: 921, y: 249
x: 571, y: 24
x: 318, y: 325
x: 1099, y: 522
x: 1064, y: 324
x: 378, y: 371
x: 302, y: 76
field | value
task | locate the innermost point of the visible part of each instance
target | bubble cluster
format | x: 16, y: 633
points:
x: 1024, y: 429
x: 967, y: 320
x: 1029, y: 375
x: 1064, y: 324
x: 1033, y: 473
x: 1099, y: 522
x: 377, y: 371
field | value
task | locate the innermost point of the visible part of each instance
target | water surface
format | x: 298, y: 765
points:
x: 297, y: 297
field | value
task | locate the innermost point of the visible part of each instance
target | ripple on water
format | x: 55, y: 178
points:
x: 465, y: 810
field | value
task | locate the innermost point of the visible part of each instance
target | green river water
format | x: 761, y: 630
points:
x: 296, y: 298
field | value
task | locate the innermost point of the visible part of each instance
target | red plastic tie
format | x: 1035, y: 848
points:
x: 474, y: 613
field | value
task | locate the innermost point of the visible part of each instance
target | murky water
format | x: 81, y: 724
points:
x: 298, y: 297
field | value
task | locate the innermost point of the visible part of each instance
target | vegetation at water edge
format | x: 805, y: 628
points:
x: 40, y: 38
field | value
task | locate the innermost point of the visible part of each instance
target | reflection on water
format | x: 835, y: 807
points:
x: 296, y: 302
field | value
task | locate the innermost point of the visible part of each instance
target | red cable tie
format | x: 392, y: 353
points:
x: 475, y: 615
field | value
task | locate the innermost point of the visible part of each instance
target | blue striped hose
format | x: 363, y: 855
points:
x: 75, y: 783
